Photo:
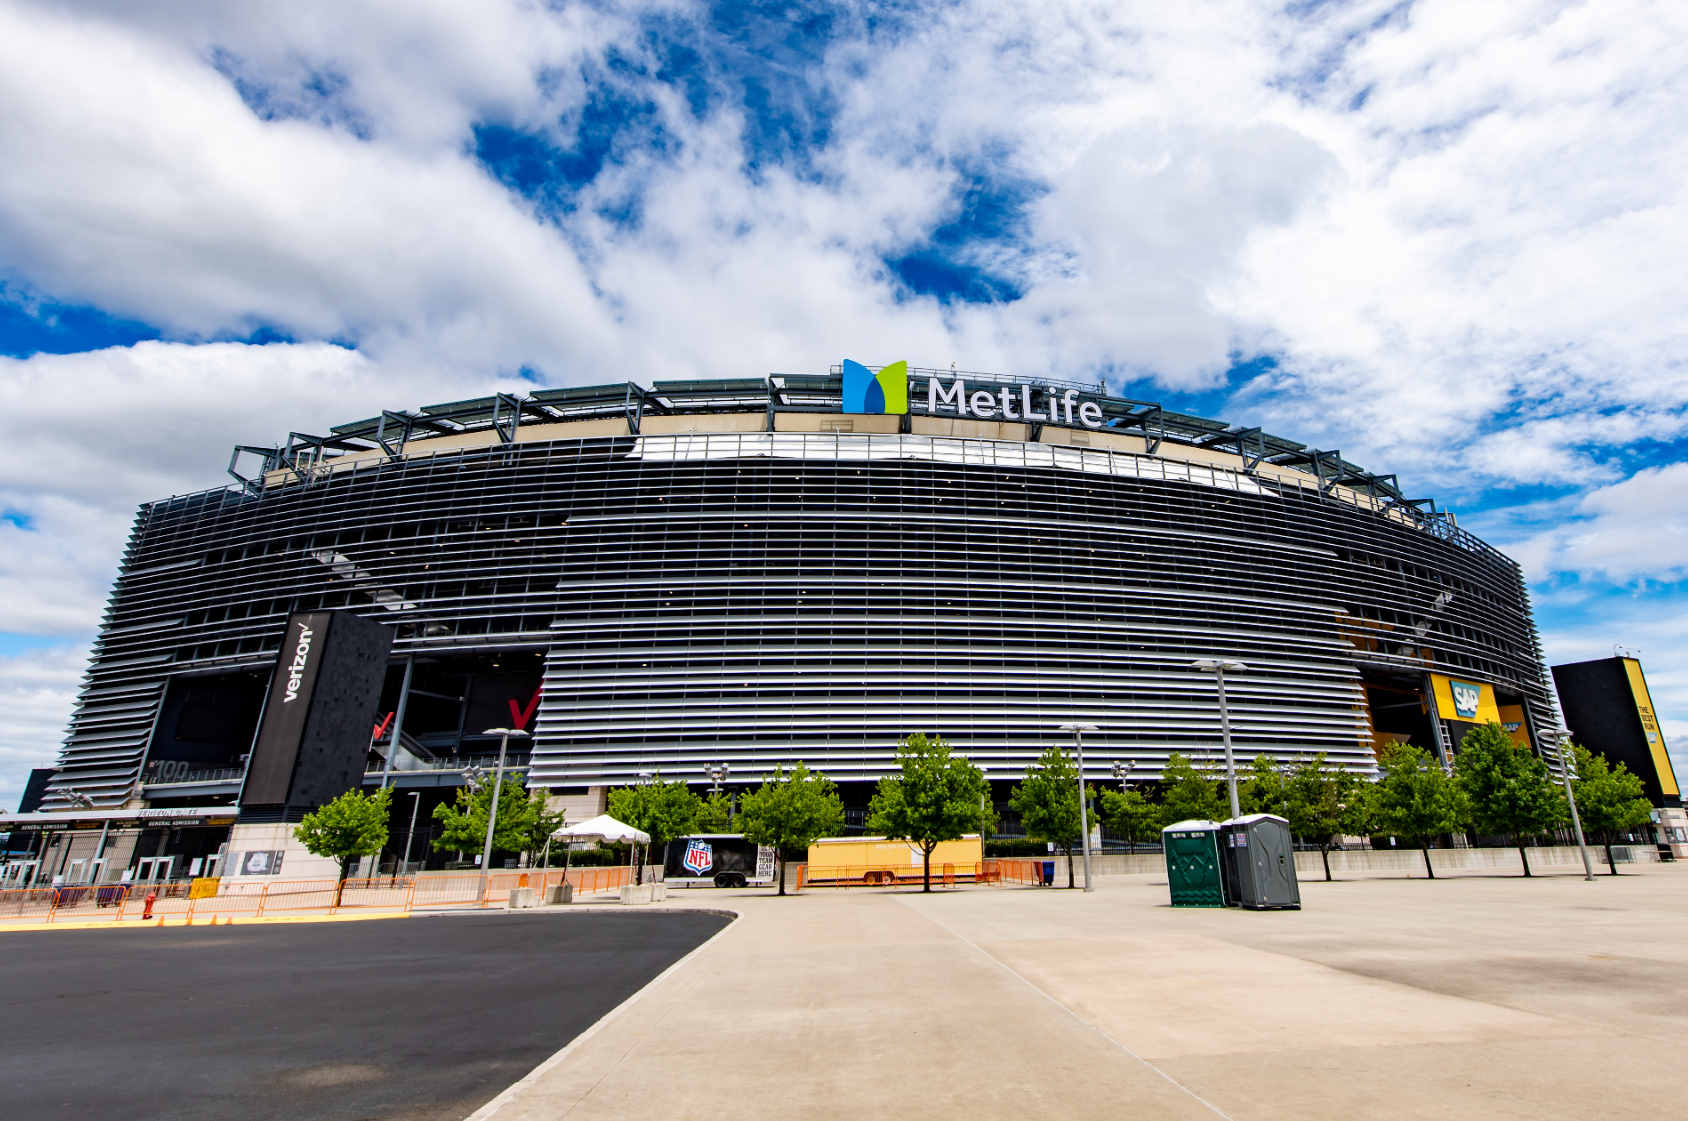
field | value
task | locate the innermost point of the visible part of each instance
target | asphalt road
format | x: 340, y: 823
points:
x: 426, y: 1017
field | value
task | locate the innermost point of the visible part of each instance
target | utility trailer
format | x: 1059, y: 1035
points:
x: 726, y: 858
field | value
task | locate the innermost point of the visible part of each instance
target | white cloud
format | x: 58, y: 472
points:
x: 1506, y: 251
x: 1631, y: 531
x: 37, y: 695
x: 1449, y: 219
x: 134, y: 177
x: 85, y: 438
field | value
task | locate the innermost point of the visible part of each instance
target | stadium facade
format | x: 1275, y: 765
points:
x: 743, y: 573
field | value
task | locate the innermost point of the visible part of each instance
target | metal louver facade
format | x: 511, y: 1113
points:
x: 757, y: 598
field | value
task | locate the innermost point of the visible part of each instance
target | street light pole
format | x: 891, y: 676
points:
x: 1078, y: 731
x: 1218, y: 667
x: 503, y: 735
x: 1122, y: 772
x: 410, y: 837
x: 1561, y: 738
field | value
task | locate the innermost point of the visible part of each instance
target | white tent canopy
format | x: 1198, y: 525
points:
x: 602, y: 828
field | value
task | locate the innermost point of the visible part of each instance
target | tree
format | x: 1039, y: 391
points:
x: 790, y: 811
x: 353, y: 825
x: 464, y: 819
x: 714, y: 814
x: 539, y: 821
x: 1507, y: 787
x: 1131, y: 815
x: 1265, y: 789
x: 1609, y: 799
x: 1187, y: 794
x: 1047, y: 802
x: 1326, y: 802
x: 938, y: 797
x: 665, y: 810
x: 1415, y: 798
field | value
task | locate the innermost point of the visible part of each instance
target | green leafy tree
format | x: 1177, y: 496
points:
x: 714, y: 814
x: 937, y: 797
x: 1415, y: 798
x: 539, y: 821
x: 665, y: 810
x: 1132, y: 816
x: 1507, y: 787
x: 1326, y: 802
x: 1047, y: 802
x: 353, y: 825
x: 1265, y: 788
x: 1609, y: 799
x: 464, y: 819
x: 789, y: 811
x: 1189, y: 795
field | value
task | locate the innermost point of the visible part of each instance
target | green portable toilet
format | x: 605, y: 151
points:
x: 1192, y: 864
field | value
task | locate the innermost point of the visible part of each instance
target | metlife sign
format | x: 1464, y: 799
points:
x: 1012, y: 402
x: 888, y: 391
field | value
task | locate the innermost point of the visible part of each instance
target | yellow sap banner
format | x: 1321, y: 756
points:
x: 1512, y: 719
x: 1458, y: 699
x: 205, y: 887
x: 1650, y: 725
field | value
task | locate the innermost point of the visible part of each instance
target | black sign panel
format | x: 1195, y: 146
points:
x: 314, y: 739
x: 288, y: 709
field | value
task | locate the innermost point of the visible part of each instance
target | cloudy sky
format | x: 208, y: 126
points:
x: 1448, y: 238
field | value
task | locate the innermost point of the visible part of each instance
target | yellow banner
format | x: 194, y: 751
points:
x: 1650, y: 725
x: 1457, y: 699
x: 1512, y: 719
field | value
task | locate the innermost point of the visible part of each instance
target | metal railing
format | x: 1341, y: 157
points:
x: 229, y: 897
x: 514, y: 761
x: 177, y: 778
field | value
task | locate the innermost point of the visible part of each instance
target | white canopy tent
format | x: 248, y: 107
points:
x: 602, y: 828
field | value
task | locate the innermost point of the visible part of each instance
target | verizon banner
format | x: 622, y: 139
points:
x: 286, y: 712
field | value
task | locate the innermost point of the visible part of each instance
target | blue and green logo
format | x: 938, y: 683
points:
x: 868, y: 392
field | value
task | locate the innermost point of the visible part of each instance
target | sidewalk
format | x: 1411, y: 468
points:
x: 1474, y: 998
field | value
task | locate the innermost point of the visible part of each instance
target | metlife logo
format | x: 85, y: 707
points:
x: 1012, y: 402
x: 887, y: 391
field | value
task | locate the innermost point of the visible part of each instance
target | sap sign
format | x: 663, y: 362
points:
x: 1467, y: 698
x: 887, y: 391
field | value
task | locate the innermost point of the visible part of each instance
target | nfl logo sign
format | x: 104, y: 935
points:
x: 700, y: 857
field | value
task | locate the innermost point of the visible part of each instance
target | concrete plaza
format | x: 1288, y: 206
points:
x: 1475, y: 997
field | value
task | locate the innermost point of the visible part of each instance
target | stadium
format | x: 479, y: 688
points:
x: 710, y: 579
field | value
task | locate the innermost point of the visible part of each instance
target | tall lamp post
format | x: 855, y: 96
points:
x: 1561, y: 737
x: 82, y: 802
x: 1078, y: 731
x: 718, y: 773
x: 1217, y: 667
x: 503, y: 735
x: 1122, y: 772
x: 411, y: 836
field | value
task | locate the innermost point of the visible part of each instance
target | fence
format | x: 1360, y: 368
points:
x: 225, y: 899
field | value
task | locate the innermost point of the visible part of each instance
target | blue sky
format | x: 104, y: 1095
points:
x: 1446, y: 238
